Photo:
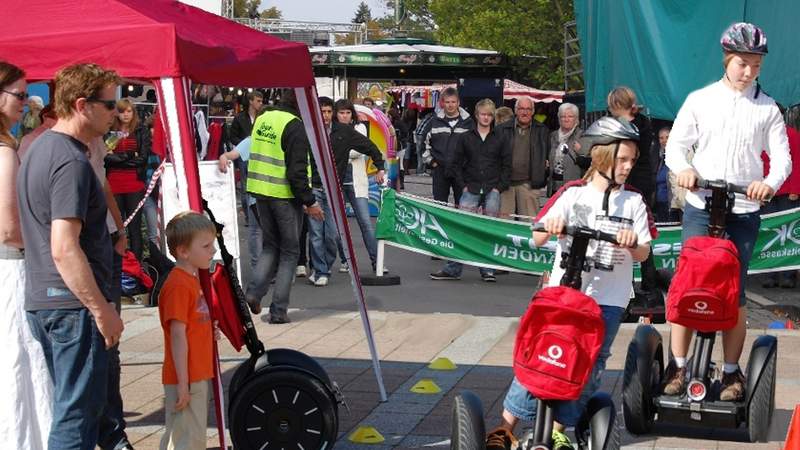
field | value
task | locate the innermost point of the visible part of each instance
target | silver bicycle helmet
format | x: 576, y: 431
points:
x: 607, y: 130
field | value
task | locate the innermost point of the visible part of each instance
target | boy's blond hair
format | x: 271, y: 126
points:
x: 184, y: 227
x: 485, y: 104
x: 603, y: 158
x: 621, y: 98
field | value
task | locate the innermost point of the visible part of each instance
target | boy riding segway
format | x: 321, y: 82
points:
x: 601, y: 202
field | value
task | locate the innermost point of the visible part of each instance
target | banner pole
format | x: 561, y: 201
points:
x: 379, y: 258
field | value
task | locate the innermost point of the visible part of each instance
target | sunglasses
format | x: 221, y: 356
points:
x: 21, y: 96
x: 109, y: 104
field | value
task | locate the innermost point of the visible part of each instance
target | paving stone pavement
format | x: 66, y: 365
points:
x: 408, y: 342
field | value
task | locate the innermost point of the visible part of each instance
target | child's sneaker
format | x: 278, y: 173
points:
x: 561, y: 441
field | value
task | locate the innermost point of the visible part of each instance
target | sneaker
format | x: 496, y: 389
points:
x: 321, y: 280
x: 561, y: 441
x: 277, y: 319
x: 500, y: 439
x: 488, y: 277
x: 442, y: 275
x: 344, y: 268
x: 732, y: 389
x: 675, y: 380
x: 300, y: 272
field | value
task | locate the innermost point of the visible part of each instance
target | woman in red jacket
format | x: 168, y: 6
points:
x: 126, y: 164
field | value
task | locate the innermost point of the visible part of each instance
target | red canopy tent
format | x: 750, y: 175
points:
x: 168, y: 44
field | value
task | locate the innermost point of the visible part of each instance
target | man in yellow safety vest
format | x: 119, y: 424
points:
x: 278, y: 177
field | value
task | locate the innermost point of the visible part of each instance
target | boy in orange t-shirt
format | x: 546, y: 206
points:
x: 188, y: 333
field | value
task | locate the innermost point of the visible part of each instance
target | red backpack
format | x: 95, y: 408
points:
x: 557, y: 343
x: 704, y: 293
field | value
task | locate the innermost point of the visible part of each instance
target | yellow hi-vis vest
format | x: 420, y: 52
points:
x: 266, y: 169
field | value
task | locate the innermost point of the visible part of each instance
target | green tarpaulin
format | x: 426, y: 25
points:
x: 664, y: 49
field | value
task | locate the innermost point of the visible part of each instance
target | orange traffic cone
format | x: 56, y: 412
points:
x: 793, y: 435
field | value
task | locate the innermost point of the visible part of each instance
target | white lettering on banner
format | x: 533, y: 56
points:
x: 527, y: 241
x: 414, y: 218
x: 782, y: 253
x: 786, y: 231
x: 667, y: 249
x: 516, y: 254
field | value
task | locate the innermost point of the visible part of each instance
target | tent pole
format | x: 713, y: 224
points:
x: 320, y: 147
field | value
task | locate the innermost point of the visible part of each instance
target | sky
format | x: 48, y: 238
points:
x: 322, y: 10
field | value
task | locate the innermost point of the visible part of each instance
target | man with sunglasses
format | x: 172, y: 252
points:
x: 62, y: 210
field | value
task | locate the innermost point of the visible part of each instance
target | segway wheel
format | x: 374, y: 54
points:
x: 762, y: 402
x: 641, y: 382
x: 283, y: 409
x: 468, y: 430
x: 597, y: 429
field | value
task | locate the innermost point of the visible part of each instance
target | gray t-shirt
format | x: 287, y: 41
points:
x: 56, y: 181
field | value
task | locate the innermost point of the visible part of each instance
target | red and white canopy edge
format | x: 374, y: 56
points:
x: 511, y: 90
x: 169, y: 44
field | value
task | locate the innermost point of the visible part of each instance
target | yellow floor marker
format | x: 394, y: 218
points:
x: 425, y: 386
x: 366, y: 434
x: 442, y: 364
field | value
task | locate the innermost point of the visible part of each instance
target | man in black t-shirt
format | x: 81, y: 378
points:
x: 68, y: 253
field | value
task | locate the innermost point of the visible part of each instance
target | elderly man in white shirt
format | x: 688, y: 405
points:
x: 731, y: 122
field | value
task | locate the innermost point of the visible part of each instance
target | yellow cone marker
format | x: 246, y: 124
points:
x: 366, y: 434
x: 442, y: 364
x: 425, y: 386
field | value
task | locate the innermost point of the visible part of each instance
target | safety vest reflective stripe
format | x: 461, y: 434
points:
x: 269, y: 179
x: 268, y: 159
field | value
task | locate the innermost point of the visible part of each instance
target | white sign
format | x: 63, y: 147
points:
x: 219, y: 189
x: 212, y: 6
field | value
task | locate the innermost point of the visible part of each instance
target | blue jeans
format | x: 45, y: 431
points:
x: 77, y: 359
x: 112, y: 424
x: 742, y: 229
x: 522, y: 405
x: 322, y: 237
x: 470, y: 202
x: 151, y: 219
x: 360, y: 207
x: 280, y: 228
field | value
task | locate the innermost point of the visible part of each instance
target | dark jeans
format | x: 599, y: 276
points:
x: 742, y: 229
x: 77, y: 359
x: 112, y: 423
x: 280, y: 229
x: 127, y: 204
x: 442, y: 185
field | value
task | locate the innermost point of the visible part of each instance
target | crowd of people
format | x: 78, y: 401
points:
x: 78, y: 170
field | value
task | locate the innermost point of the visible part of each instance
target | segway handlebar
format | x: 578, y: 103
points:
x: 721, y: 185
x: 581, y: 231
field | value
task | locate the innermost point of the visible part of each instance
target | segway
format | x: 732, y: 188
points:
x: 643, y: 401
x: 596, y: 427
x: 279, y: 398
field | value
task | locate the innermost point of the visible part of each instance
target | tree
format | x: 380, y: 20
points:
x: 363, y: 14
x: 272, y: 13
x: 530, y: 32
x: 246, y: 8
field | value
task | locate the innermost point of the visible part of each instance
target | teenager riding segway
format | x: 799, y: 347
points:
x: 729, y: 122
x: 593, y: 292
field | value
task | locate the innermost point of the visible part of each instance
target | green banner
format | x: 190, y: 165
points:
x: 425, y: 227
